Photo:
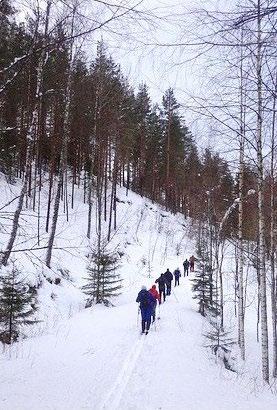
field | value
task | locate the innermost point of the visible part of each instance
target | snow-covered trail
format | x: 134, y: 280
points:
x: 97, y: 360
x: 175, y: 372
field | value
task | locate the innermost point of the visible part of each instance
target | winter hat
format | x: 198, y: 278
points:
x: 154, y: 287
x: 143, y: 287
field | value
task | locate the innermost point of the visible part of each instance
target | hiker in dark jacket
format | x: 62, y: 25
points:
x: 161, y: 281
x: 177, y: 275
x: 169, y: 278
x: 147, y: 302
x: 186, y: 267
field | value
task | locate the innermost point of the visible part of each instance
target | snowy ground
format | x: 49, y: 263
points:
x: 94, y: 358
x: 98, y: 360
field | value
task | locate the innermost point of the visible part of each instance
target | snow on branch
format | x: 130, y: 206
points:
x: 232, y: 208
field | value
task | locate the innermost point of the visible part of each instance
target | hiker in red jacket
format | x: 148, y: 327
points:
x: 191, y: 263
x: 157, y: 297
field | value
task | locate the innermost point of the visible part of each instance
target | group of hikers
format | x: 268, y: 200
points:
x: 148, y: 299
x: 189, y: 265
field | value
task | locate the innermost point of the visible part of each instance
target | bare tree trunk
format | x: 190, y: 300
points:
x: 49, y: 200
x: 73, y: 187
x: 89, y: 206
x: 219, y: 278
x: 54, y: 224
x: 128, y: 177
x: 168, y: 155
x: 114, y: 200
x: 236, y: 277
x: 241, y: 333
x: 92, y: 157
x: 264, y: 324
x: 272, y: 239
x: 63, y: 161
x: 105, y: 186
x: 111, y: 212
x: 39, y: 202
x: 210, y: 246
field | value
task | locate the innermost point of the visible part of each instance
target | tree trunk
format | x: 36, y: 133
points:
x: 273, y: 239
x: 241, y: 333
x: 54, y: 224
x: 63, y: 160
x: 264, y: 324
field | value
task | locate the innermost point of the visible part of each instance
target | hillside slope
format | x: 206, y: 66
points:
x: 95, y: 358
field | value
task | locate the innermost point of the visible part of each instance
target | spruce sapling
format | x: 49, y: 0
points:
x: 103, y: 281
x: 17, y: 305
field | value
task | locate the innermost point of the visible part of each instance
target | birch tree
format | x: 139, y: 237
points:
x: 260, y: 163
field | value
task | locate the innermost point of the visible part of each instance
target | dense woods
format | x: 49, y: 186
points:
x: 111, y: 133
x: 68, y: 120
x: 97, y: 129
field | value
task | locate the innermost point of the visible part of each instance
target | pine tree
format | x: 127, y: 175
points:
x: 153, y: 152
x: 202, y: 288
x: 13, y: 44
x: 17, y: 306
x: 221, y: 343
x: 203, y: 283
x: 104, y: 282
x: 173, y: 146
x: 192, y: 192
x: 142, y: 109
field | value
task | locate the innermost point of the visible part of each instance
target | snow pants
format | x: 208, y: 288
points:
x: 186, y: 271
x: 162, y: 293
x: 168, y: 288
x: 177, y: 280
x: 154, y: 312
x: 145, y: 318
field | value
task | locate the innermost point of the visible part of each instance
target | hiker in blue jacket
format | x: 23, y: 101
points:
x: 177, y: 275
x: 147, y: 302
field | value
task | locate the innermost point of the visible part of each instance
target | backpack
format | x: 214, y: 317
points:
x: 161, y: 282
x: 144, y: 300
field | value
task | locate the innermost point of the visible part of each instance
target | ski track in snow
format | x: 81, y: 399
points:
x: 99, y: 362
x: 114, y: 396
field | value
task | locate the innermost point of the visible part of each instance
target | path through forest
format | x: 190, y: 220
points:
x: 98, y: 360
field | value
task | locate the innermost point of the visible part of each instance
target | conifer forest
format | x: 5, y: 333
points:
x: 133, y: 135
